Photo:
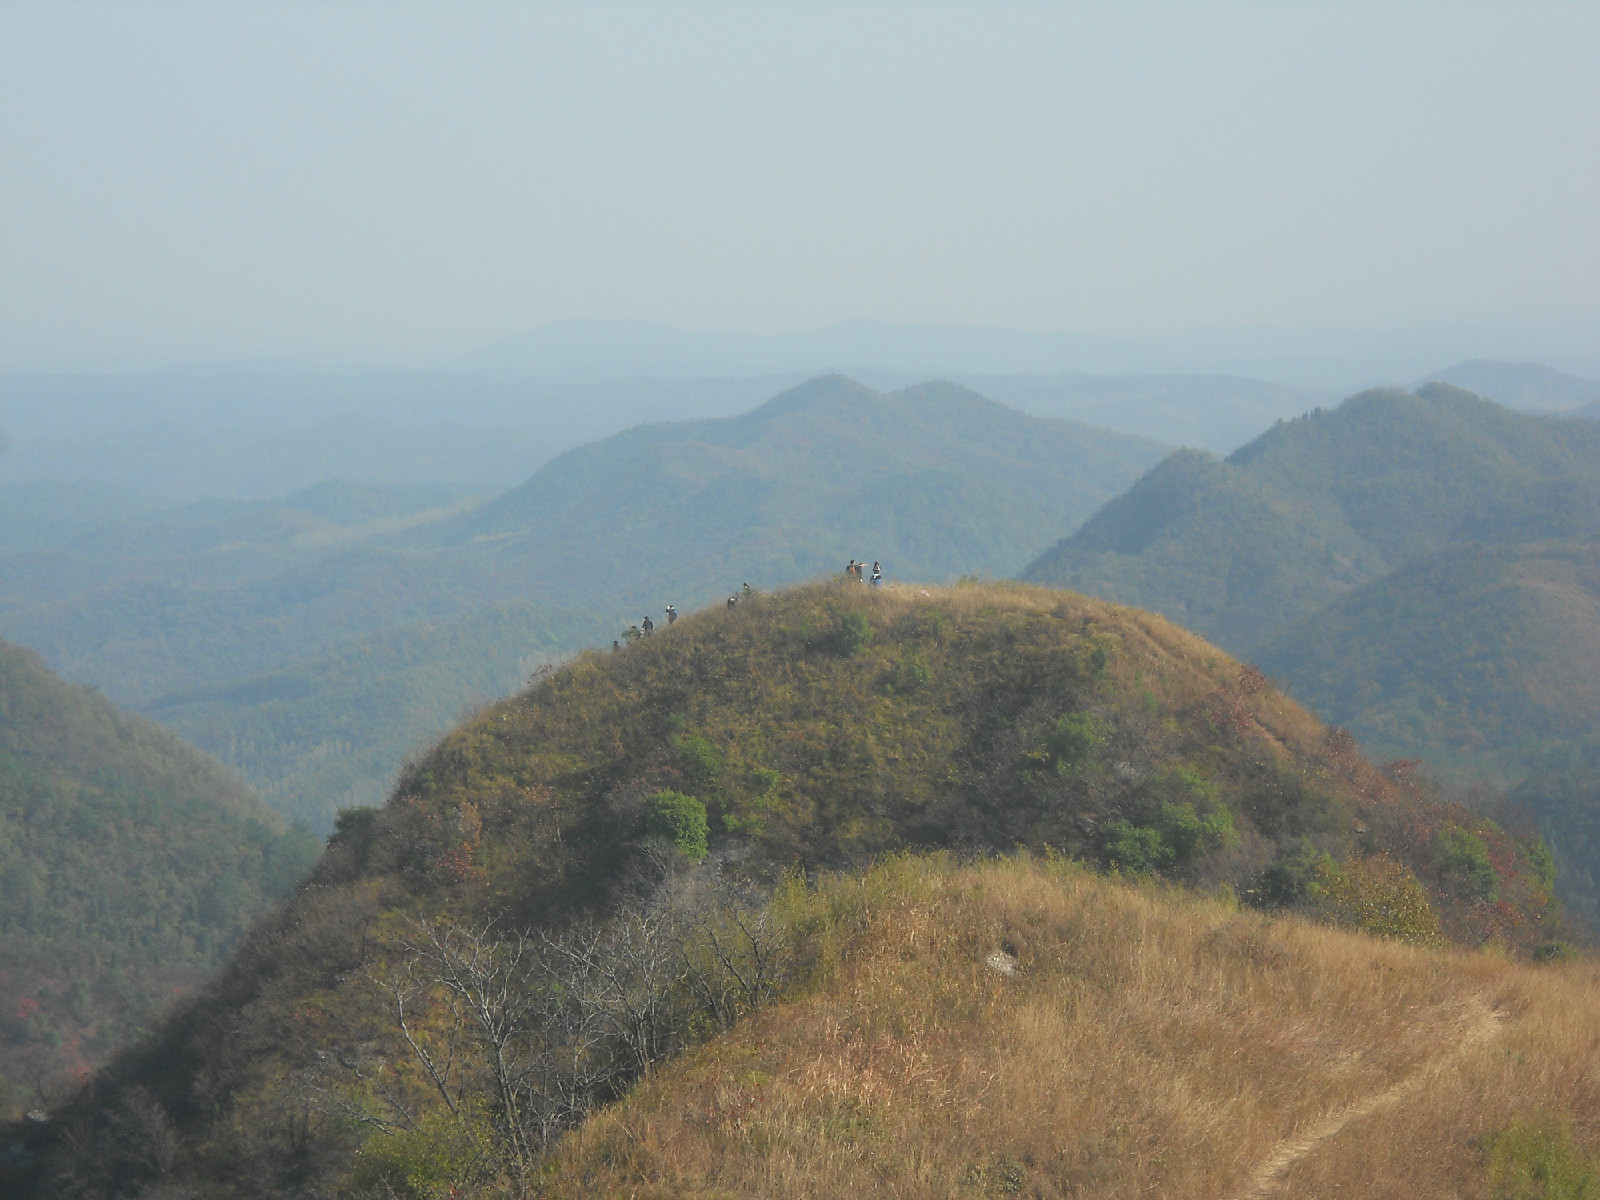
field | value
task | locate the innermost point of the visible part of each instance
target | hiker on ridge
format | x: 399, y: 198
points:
x: 647, y: 626
x: 672, y: 614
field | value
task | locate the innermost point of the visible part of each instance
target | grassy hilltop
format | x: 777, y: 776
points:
x: 640, y: 851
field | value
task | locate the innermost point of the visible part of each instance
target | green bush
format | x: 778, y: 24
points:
x: 1172, y: 838
x: 1536, y: 1160
x: 1379, y: 896
x: 1541, y: 861
x: 682, y: 820
x: 1464, y: 859
x: 1294, y: 877
x: 909, y: 673
x: 701, y: 761
x: 852, y: 635
x: 1072, y: 741
x: 1189, y: 833
x: 430, y: 1162
x: 1136, y: 849
x: 1554, y: 950
x: 352, y: 825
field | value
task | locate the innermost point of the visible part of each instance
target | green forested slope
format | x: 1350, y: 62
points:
x: 1485, y: 662
x: 822, y: 727
x: 129, y: 863
x: 1238, y: 548
x: 1475, y: 651
x: 934, y: 480
x: 330, y: 731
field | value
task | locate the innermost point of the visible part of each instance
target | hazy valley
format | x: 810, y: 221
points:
x: 1416, y: 566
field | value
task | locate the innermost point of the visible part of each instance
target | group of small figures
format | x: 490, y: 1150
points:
x: 855, y: 570
x: 646, y: 627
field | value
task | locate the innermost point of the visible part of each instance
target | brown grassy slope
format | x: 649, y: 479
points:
x: 1148, y: 1043
x: 821, y: 727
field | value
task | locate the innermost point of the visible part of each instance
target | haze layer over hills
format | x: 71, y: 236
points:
x: 1531, y: 387
x: 311, y: 642
x: 632, y: 811
x: 129, y: 864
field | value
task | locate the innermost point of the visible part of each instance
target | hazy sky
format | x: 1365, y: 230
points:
x: 403, y: 183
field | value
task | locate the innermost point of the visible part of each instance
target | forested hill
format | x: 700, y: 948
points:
x: 1474, y: 651
x: 934, y: 480
x: 1485, y: 662
x: 129, y: 864
x: 603, y: 868
x: 1239, y: 547
x: 311, y: 643
x: 1532, y: 387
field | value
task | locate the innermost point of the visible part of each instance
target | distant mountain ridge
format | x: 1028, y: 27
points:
x: 1420, y: 568
x: 1331, y: 359
x: 207, y: 614
x: 934, y: 480
x: 1238, y: 548
x: 1530, y: 387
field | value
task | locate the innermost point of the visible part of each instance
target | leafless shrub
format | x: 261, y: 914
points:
x: 536, y: 1028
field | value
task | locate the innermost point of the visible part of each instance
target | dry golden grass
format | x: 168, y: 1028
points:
x: 1148, y: 1043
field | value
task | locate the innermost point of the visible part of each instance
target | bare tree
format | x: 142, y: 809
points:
x: 541, y: 1027
x: 735, y: 954
x: 622, y: 976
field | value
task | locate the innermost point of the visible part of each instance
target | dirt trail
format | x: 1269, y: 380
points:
x: 1484, y: 1026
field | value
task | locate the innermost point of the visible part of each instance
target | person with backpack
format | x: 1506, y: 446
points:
x: 672, y: 614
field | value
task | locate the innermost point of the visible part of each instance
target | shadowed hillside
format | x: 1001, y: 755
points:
x: 620, y: 855
x: 1238, y: 548
x: 1487, y: 652
x: 129, y: 864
